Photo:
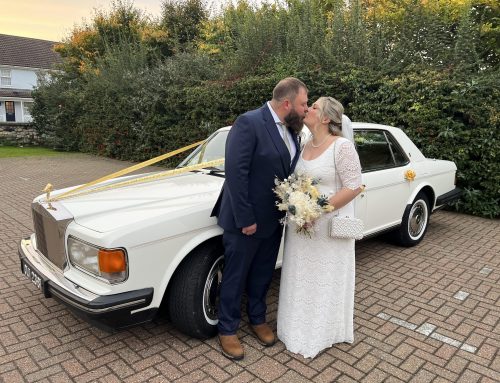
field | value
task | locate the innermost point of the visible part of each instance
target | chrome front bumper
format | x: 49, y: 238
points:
x: 115, y: 311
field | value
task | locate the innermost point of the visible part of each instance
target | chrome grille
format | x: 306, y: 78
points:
x: 50, y: 228
x: 41, y: 243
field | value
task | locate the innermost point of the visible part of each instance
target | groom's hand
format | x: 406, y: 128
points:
x: 249, y: 230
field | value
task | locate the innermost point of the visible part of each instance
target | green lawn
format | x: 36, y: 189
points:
x: 13, y: 151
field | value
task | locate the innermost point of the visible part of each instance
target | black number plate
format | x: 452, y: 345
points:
x: 33, y: 276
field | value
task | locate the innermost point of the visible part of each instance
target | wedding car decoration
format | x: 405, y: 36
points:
x: 130, y: 247
x: 410, y: 175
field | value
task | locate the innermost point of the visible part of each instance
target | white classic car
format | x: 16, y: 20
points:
x: 117, y: 257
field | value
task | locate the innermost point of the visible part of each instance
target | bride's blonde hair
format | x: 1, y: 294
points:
x: 333, y: 110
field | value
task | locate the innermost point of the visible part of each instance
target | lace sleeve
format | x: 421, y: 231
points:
x: 348, y: 165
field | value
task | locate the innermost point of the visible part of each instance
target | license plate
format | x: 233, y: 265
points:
x: 33, y: 276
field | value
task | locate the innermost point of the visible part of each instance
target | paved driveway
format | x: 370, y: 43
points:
x: 424, y: 314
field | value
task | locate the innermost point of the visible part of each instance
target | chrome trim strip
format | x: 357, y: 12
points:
x: 72, y: 303
x: 385, y: 185
x: 380, y: 231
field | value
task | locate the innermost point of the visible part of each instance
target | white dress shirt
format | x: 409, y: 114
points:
x: 277, y: 121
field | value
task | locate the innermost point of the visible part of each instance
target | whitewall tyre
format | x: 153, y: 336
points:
x: 415, y: 222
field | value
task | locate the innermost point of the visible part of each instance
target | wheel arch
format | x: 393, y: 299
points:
x: 427, y: 189
x: 209, y: 237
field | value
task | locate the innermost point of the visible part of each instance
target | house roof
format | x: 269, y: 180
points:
x: 27, y: 52
x: 21, y: 93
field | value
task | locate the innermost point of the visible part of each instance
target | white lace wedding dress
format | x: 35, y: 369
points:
x: 316, y: 299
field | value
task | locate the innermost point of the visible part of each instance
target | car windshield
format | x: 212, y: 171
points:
x: 212, y: 149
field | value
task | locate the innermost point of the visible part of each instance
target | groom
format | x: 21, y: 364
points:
x: 261, y: 145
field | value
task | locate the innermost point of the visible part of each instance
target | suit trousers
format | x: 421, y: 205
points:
x: 249, y: 264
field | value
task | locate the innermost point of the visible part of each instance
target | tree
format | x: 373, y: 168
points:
x: 123, y: 23
x: 465, y: 52
x: 182, y: 20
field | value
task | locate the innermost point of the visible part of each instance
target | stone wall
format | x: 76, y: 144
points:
x: 12, y: 133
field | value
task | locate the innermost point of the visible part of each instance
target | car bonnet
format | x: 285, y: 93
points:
x: 122, y: 206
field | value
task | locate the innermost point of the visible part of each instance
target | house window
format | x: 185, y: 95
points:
x: 27, y: 107
x: 5, y: 77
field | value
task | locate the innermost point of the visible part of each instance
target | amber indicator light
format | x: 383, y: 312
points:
x: 112, y: 261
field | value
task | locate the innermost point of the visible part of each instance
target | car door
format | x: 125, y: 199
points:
x: 383, y: 162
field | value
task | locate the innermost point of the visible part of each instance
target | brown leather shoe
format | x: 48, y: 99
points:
x: 231, y: 347
x: 264, y: 334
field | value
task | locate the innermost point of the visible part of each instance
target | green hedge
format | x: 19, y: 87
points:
x: 139, y: 117
x: 447, y: 118
x: 129, y: 98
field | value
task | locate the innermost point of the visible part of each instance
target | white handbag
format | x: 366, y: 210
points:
x: 344, y: 227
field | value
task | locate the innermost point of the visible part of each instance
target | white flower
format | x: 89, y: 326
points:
x: 299, y: 197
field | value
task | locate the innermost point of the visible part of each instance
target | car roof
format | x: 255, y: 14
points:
x: 370, y: 125
x: 355, y: 125
x: 408, y: 146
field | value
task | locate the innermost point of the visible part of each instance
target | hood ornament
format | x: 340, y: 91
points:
x: 49, y: 189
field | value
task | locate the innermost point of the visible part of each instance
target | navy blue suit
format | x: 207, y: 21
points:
x: 255, y: 155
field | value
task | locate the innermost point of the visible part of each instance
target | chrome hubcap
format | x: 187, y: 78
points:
x: 418, y: 219
x: 211, y: 290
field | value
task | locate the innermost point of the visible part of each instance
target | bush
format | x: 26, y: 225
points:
x: 56, y: 110
x: 138, y: 116
x: 430, y: 68
x: 446, y: 117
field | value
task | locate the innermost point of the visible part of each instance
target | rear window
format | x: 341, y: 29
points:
x: 377, y: 149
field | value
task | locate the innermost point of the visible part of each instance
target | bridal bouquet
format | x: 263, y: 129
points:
x: 300, y: 198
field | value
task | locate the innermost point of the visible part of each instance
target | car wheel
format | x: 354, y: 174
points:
x: 415, y: 222
x: 194, y: 292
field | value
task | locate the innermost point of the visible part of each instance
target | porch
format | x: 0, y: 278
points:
x: 15, y: 106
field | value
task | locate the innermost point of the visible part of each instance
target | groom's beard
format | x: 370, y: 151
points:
x: 294, y: 121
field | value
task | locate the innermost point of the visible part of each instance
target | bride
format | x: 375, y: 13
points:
x: 316, y: 300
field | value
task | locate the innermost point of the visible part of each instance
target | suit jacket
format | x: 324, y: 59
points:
x: 255, y: 155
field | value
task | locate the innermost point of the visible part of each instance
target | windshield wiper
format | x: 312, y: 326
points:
x: 214, y: 171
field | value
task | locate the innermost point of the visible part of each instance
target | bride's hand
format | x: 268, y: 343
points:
x: 309, y: 225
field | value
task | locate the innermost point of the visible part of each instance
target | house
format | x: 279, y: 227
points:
x: 22, y: 59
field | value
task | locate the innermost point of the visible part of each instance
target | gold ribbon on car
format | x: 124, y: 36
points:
x: 79, y: 190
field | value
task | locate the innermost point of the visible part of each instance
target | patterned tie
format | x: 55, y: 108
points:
x: 285, y: 136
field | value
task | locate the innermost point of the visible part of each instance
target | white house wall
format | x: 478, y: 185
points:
x: 18, y: 109
x: 22, y: 60
x: 26, y: 117
x: 23, y: 79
